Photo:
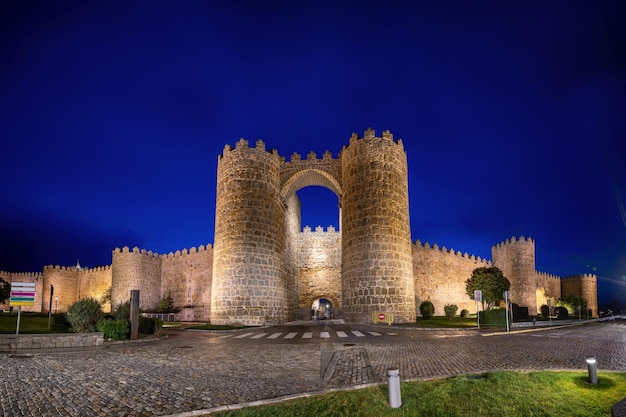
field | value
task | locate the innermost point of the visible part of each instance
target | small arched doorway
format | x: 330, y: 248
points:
x: 322, y: 309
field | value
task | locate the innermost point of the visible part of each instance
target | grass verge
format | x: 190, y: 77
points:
x: 33, y: 323
x: 443, y: 322
x: 503, y: 393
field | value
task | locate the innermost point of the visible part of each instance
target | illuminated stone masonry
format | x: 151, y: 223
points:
x: 265, y: 268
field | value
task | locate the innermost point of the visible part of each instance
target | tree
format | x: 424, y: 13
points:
x: 571, y: 303
x: 5, y: 290
x: 490, y: 281
x: 166, y: 305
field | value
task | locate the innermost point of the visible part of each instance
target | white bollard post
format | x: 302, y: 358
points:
x: 393, y: 379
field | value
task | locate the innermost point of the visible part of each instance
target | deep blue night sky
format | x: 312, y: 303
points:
x: 113, y: 115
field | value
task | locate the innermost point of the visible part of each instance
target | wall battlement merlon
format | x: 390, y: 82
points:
x: 547, y: 275
x: 371, y: 134
x: 243, y: 145
x: 450, y: 251
x: 150, y: 254
x: 190, y: 251
x: 320, y: 229
x: 22, y: 275
x: 514, y: 240
x: 581, y: 276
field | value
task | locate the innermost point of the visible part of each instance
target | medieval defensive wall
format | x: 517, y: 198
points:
x: 264, y: 267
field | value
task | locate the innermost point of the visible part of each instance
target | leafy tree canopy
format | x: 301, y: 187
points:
x: 491, y: 281
x: 5, y: 290
x: 571, y: 302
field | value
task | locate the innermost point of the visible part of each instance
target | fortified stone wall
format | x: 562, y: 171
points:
x: 95, y: 283
x: 440, y: 276
x: 36, y: 277
x: 377, y: 259
x: 319, y: 264
x: 65, y: 281
x: 136, y: 270
x: 583, y: 286
x: 516, y: 259
x: 548, y: 288
x: 186, y: 277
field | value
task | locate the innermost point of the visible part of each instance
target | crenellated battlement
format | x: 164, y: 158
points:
x: 136, y: 250
x: 580, y: 276
x: 514, y: 240
x: 371, y: 134
x: 310, y: 157
x: 28, y: 276
x: 185, y: 252
x: 545, y: 275
x: 450, y: 251
x: 243, y: 145
x: 319, y: 230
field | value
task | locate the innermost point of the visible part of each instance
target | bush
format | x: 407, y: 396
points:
x: 84, y: 314
x: 427, y: 310
x: 561, y: 312
x: 545, y: 311
x: 114, y: 329
x: 519, y: 313
x: 148, y: 325
x: 450, y: 311
x: 122, y: 311
x: 493, y: 317
x: 464, y: 313
x: 166, y: 305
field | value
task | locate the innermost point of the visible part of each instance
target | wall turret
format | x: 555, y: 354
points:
x: 136, y: 270
x: 583, y: 286
x: 376, y: 243
x: 249, y: 275
x: 516, y: 259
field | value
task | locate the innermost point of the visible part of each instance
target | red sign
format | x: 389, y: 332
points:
x: 381, y: 316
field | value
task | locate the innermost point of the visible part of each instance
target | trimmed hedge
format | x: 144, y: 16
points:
x: 114, y: 329
x: 148, y: 325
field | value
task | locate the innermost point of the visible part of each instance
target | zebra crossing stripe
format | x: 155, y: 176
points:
x: 275, y: 335
x: 258, y: 336
x: 375, y: 333
x: 357, y: 333
x: 225, y: 336
x: 241, y: 336
x: 291, y: 335
x: 307, y: 335
x: 325, y: 335
x: 342, y: 334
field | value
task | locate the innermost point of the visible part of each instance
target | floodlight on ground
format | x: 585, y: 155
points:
x: 592, y: 369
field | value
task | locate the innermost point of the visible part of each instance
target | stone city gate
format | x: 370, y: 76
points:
x: 257, y: 227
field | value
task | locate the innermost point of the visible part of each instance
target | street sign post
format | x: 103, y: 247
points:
x: 22, y: 294
x: 506, y: 296
x: 478, y: 296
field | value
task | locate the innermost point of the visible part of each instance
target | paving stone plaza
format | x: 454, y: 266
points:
x: 193, y: 372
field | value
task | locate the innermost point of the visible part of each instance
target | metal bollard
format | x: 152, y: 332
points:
x: 592, y: 369
x: 393, y: 379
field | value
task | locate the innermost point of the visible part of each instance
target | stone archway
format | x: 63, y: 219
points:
x: 317, y: 251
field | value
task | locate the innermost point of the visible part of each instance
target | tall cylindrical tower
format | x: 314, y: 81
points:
x: 377, y: 273
x: 249, y: 276
x: 136, y: 270
x: 516, y: 259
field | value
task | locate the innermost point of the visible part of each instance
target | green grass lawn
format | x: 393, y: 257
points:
x: 504, y: 393
x: 33, y: 323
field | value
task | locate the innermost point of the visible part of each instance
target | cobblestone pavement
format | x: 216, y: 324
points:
x: 198, y: 371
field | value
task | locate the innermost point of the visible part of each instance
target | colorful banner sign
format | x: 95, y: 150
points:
x: 22, y: 294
